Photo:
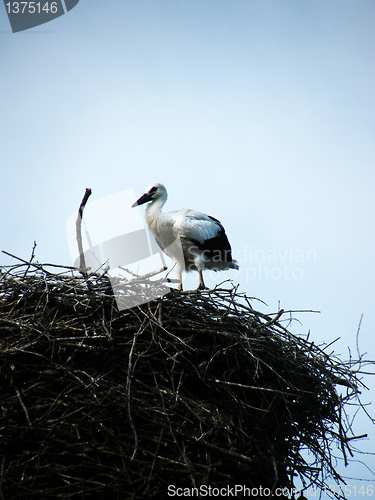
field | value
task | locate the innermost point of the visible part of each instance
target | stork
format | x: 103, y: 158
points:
x: 193, y: 240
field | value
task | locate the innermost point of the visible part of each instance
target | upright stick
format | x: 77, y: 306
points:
x: 82, y: 264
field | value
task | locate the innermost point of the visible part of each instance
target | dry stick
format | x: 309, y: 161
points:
x: 128, y: 392
x: 38, y: 266
x: 23, y: 406
x: 82, y: 264
x: 144, y: 276
x: 156, y: 454
x: 31, y: 258
x: 273, y: 320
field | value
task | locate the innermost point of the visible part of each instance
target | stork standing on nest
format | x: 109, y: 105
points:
x: 193, y: 240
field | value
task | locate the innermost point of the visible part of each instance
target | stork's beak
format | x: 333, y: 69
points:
x: 143, y: 199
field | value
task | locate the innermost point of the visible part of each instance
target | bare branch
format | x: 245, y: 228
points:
x: 82, y: 264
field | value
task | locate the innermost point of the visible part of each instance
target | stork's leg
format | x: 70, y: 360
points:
x: 201, y: 285
x: 179, y: 277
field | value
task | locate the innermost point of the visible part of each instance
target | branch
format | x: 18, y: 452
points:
x: 82, y: 264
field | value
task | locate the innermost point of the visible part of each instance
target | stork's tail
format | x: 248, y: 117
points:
x: 222, y: 266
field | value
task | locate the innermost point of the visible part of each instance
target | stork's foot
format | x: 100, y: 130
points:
x: 202, y: 286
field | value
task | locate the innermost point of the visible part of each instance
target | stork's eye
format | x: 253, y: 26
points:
x: 153, y: 190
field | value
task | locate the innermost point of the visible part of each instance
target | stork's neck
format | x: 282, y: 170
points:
x: 153, y: 211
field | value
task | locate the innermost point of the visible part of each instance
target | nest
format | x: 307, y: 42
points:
x: 194, y: 389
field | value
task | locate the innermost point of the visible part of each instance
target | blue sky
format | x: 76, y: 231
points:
x: 258, y: 112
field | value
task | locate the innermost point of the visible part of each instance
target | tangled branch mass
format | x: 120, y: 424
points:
x: 194, y: 388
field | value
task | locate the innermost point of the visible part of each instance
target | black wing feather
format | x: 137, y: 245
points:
x: 217, y: 248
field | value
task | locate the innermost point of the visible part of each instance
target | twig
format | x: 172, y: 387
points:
x: 156, y: 453
x: 143, y: 276
x: 357, y: 337
x: 31, y: 258
x: 273, y: 320
x: 38, y: 265
x: 128, y: 390
x: 82, y: 264
x: 23, y: 406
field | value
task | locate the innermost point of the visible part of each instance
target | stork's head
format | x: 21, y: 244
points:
x: 154, y: 192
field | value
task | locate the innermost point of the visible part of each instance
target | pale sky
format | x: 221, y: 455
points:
x: 257, y: 112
